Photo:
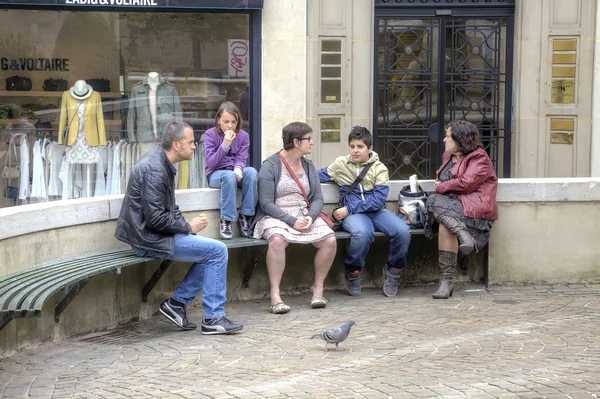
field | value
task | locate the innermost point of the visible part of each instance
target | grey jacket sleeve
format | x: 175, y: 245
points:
x: 266, y: 195
x: 316, y: 200
x: 131, y: 118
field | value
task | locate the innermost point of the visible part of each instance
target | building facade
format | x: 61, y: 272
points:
x: 523, y: 70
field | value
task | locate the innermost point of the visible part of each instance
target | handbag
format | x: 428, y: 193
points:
x: 55, y: 85
x: 11, y: 172
x: 65, y: 135
x: 337, y: 224
x: 322, y: 215
x: 18, y: 83
x: 11, y: 192
x: 412, y: 207
x: 100, y: 85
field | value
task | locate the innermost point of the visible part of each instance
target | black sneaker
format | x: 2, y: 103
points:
x: 176, y: 314
x: 220, y: 325
x: 244, y: 225
x: 353, y: 282
x: 390, y: 280
x: 225, y: 229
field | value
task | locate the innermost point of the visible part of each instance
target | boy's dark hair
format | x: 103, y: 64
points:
x: 362, y: 134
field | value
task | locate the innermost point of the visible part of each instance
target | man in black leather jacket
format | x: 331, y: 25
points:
x: 151, y: 222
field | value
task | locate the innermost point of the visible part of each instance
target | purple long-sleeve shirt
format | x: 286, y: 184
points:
x: 217, y: 157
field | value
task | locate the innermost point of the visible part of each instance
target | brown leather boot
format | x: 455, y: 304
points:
x: 459, y: 229
x: 447, y: 261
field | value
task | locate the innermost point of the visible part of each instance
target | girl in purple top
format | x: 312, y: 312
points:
x: 225, y: 154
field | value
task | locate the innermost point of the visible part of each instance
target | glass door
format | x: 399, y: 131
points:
x: 431, y: 71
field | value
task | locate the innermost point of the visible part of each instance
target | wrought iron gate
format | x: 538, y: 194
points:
x: 431, y: 70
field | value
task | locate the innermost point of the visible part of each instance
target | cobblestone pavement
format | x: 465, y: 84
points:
x: 523, y: 342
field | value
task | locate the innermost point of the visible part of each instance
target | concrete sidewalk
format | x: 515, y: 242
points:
x: 509, y: 342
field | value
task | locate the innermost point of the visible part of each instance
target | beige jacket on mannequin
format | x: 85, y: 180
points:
x: 93, y: 124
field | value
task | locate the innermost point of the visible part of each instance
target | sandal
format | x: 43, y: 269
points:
x: 318, y: 302
x: 279, y: 308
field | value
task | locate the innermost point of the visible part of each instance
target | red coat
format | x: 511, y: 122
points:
x: 474, y: 182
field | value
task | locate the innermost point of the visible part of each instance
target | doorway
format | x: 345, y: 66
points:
x: 431, y: 70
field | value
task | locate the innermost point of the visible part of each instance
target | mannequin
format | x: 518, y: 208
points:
x: 153, y: 79
x: 153, y: 83
x: 81, y: 112
x: 154, y: 102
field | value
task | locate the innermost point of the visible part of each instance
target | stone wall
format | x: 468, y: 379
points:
x: 546, y: 234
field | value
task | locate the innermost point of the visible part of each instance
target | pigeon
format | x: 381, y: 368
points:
x: 335, y: 335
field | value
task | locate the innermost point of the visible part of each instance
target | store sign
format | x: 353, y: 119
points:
x: 35, y: 64
x: 165, y: 4
x: 146, y: 3
x: 237, y: 51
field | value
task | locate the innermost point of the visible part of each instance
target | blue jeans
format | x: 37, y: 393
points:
x: 362, y: 228
x: 207, y: 273
x: 227, y: 182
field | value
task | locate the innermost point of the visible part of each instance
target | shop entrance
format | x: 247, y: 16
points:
x: 436, y: 68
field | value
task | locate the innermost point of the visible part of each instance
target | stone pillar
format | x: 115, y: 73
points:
x: 283, y: 69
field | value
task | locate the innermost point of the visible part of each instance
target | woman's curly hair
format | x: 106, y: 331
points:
x: 466, y: 136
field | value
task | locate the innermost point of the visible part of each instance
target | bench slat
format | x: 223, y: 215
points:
x: 33, y: 297
x: 344, y: 235
x: 15, y: 282
x: 18, y: 276
x: 124, y: 262
x: 243, y: 242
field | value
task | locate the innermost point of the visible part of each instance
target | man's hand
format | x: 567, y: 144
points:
x: 435, y: 184
x: 199, y: 223
x: 340, y: 213
x: 238, y: 173
x: 229, y: 137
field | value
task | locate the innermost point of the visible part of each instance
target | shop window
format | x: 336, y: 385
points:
x: 331, y: 71
x: 144, y: 70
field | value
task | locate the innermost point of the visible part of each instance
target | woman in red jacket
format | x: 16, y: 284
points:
x: 464, y: 205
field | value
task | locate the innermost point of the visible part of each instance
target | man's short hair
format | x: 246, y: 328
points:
x: 174, y: 131
x: 361, y: 133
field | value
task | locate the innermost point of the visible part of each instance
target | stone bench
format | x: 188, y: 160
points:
x: 23, y: 294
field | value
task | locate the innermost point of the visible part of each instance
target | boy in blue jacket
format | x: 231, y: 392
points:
x: 363, y: 212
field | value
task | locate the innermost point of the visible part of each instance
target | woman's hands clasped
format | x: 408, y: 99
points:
x: 303, y: 224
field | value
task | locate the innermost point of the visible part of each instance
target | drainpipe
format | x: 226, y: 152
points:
x: 595, y: 155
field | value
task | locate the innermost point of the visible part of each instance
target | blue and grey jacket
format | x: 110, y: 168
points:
x: 368, y: 196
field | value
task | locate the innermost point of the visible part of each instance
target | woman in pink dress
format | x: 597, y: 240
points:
x: 283, y: 215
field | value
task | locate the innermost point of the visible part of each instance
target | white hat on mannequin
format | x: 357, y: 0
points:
x: 81, y: 90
